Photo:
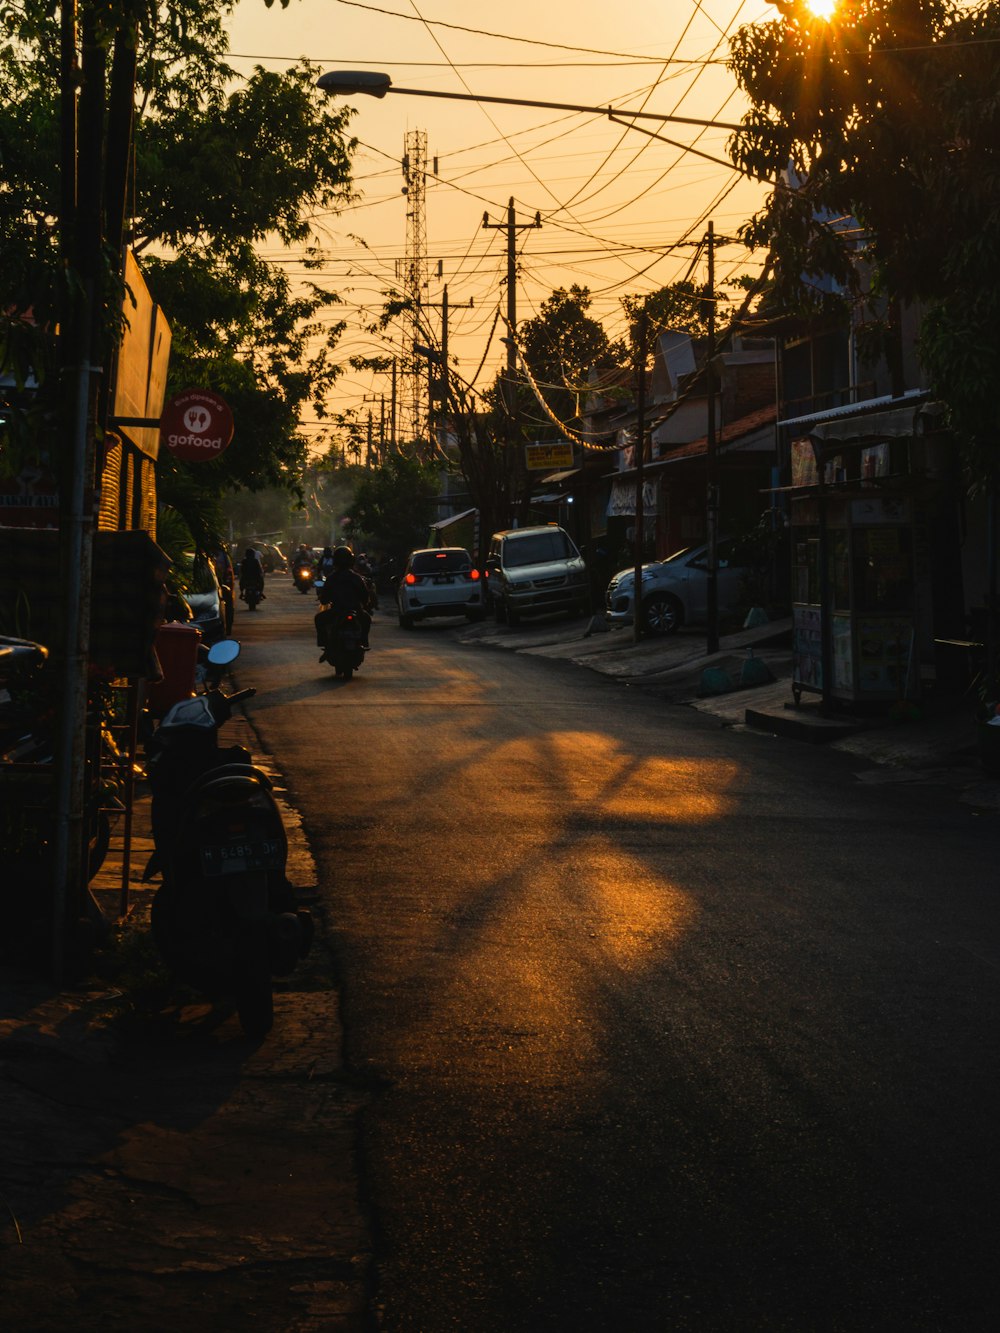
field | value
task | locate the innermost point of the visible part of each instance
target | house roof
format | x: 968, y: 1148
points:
x: 736, y: 435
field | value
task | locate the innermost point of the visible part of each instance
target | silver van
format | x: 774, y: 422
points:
x: 535, y: 571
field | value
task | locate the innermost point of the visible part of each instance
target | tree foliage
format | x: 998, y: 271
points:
x: 889, y: 116
x: 220, y: 166
x: 560, y: 347
x: 395, y: 505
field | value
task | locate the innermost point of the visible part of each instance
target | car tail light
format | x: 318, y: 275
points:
x: 474, y: 575
x: 411, y: 579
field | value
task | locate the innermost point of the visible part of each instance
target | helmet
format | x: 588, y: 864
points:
x: 343, y: 557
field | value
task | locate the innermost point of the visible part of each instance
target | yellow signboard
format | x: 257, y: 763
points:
x: 546, y: 457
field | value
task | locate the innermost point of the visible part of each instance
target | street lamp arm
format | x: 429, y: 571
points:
x: 377, y: 85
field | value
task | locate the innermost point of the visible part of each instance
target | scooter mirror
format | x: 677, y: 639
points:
x: 222, y: 653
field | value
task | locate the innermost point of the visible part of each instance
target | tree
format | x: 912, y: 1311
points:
x: 217, y: 171
x: 888, y: 114
x: 679, y: 306
x: 394, y: 505
x: 560, y: 347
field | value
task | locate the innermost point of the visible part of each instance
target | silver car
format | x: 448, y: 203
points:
x: 439, y: 581
x: 675, y: 590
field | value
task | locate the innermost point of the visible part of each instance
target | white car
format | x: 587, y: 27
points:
x: 675, y: 590
x: 439, y: 581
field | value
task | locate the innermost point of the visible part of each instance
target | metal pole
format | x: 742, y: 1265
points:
x: 642, y: 337
x: 712, y: 508
x: 392, y: 411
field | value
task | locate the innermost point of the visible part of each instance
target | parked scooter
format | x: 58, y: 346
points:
x: 224, y: 917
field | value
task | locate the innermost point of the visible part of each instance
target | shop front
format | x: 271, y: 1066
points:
x: 863, y: 505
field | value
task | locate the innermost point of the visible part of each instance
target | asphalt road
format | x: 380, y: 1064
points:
x: 665, y: 1027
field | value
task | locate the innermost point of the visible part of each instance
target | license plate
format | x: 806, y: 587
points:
x: 443, y: 578
x: 231, y: 858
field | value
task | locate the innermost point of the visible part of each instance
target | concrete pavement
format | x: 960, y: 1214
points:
x: 931, y: 743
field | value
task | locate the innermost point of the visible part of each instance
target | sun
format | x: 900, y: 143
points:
x: 822, y: 9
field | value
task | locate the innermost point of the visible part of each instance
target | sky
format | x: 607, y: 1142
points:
x: 620, y: 212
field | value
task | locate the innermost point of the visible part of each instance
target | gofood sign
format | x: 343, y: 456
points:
x: 196, y: 425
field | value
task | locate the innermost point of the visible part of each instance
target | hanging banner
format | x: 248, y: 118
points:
x: 621, y: 503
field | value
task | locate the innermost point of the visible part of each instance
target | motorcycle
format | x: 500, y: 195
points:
x: 343, y: 640
x: 224, y: 917
x: 303, y: 577
x: 252, y: 596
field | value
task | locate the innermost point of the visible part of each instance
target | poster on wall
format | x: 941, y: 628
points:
x: 807, y: 646
x: 885, y: 651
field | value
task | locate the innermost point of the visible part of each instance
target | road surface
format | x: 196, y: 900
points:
x: 665, y: 1027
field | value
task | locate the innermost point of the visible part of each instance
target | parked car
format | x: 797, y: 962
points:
x: 534, y: 571
x: 272, y: 556
x: 439, y: 581
x: 675, y: 590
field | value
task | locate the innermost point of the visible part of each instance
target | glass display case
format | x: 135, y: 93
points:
x: 862, y: 557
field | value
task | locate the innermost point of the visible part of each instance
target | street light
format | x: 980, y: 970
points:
x: 375, y: 84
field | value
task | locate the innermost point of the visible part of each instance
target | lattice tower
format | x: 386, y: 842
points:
x: 415, y: 275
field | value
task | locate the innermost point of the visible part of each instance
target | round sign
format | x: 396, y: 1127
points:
x: 196, y: 425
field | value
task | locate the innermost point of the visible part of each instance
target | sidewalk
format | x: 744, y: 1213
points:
x: 169, y: 1172
x: 933, y: 743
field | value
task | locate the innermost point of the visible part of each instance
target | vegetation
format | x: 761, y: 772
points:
x: 218, y: 168
x: 889, y: 115
x: 395, y: 505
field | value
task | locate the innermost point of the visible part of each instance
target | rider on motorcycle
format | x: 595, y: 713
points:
x: 344, y: 590
x: 251, y: 571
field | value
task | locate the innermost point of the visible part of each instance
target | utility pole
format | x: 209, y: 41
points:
x: 392, y: 410
x: 512, y: 227
x: 642, y: 340
x: 445, y: 381
x: 712, y: 497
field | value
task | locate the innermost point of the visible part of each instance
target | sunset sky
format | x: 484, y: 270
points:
x: 618, y: 208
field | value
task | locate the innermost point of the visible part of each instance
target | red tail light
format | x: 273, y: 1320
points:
x: 411, y: 579
x: 473, y: 574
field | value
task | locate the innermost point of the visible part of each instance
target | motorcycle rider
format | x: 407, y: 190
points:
x: 344, y: 590
x: 251, y: 571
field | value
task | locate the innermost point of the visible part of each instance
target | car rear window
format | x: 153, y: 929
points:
x: 536, y: 549
x: 437, y: 562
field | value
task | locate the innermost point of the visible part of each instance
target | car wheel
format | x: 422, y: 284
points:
x: 512, y: 617
x: 661, y: 614
x: 499, y: 610
x: 405, y: 622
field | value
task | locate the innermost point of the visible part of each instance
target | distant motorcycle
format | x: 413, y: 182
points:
x: 224, y: 918
x: 252, y: 596
x: 303, y: 577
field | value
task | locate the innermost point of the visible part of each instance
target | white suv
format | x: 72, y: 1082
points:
x: 535, y: 570
x: 675, y: 590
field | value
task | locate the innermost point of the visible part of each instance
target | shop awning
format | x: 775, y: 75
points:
x: 452, y: 518
x: 882, y: 418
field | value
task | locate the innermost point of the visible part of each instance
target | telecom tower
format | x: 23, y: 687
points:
x: 414, y: 275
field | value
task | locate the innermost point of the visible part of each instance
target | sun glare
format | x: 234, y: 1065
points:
x: 823, y: 9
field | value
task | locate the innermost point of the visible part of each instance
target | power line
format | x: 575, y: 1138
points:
x: 483, y: 32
